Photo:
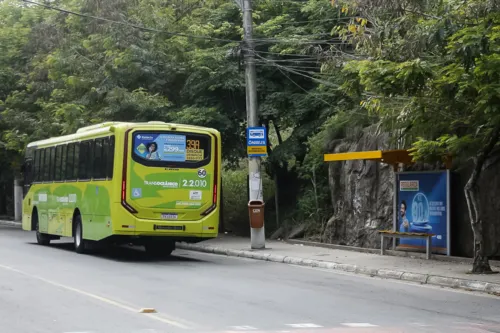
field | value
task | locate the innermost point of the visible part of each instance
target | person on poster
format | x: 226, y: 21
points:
x: 153, y: 151
x: 404, y: 223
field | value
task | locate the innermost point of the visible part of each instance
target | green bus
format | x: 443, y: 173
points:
x: 149, y: 184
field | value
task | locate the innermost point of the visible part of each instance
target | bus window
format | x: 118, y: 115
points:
x: 99, y: 168
x: 70, y: 166
x: 85, y: 160
x: 76, y: 161
x: 63, y: 162
x: 52, y: 168
x: 58, y: 159
x: 46, y: 164
x: 110, y: 157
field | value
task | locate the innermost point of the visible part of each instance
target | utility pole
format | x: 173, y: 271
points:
x: 257, y: 235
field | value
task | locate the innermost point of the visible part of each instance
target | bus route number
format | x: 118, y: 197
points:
x: 193, y: 144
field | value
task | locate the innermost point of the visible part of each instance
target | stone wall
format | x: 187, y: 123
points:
x: 362, y: 197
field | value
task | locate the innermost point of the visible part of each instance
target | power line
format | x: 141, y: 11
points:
x: 304, y: 56
x: 297, y: 72
x: 135, y: 26
x: 314, y: 21
x: 128, y: 24
x: 303, y: 89
x: 298, y: 38
x: 297, y: 68
x: 300, y: 42
x: 287, y: 1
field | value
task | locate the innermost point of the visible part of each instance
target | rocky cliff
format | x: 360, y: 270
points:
x: 361, y: 191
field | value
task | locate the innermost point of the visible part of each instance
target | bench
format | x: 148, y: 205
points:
x: 396, y: 234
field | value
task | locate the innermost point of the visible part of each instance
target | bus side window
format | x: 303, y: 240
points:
x: 57, y: 166
x: 99, y: 170
x: 70, y: 162
x: 46, y: 164
x: 63, y: 162
x: 36, y: 166
x: 110, y: 157
x: 76, y: 161
x: 52, y: 167
x: 105, y: 158
x: 83, y: 159
x: 90, y: 159
x: 41, y: 168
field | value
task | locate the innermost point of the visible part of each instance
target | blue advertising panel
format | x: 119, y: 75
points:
x: 423, y: 207
x: 256, y: 141
x: 161, y: 147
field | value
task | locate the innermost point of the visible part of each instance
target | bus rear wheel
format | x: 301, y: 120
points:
x: 159, y: 247
x: 41, y: 238
x: 80, y: 243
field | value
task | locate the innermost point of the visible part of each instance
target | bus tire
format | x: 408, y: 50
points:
x: 80, y: 243
x: 41, y: 239
x: 159, y: 248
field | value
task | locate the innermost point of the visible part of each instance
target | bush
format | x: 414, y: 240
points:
x: 235, y: 198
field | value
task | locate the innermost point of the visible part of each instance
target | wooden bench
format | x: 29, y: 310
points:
x: 396, y: 234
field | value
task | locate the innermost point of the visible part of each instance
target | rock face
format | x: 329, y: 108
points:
x: 362, y: 197
x: 361, y: 192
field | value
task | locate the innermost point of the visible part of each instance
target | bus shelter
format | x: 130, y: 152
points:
x: 421, y: 201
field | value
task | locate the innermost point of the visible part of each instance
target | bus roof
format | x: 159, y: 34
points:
x: 112, y: 126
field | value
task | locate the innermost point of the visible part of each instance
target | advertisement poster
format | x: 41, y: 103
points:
x: 423, y: 207
x: 161, y: 147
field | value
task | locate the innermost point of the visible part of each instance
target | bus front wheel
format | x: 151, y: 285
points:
x: 159, y: 247
x: 80, y: 243
x: 41, y: 239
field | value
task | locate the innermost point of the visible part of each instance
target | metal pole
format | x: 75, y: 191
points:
x: 257, y: 235
x: 18, y: 200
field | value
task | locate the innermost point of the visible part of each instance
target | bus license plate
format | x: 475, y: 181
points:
x: 169, y: 216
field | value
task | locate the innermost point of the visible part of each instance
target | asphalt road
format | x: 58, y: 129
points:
x: 52, y: 289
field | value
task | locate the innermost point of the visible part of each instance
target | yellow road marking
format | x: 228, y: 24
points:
x: 154, y: 316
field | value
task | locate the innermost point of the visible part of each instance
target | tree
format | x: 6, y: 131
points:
x: 445, y: 91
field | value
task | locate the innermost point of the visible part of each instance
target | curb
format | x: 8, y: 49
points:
x: 404, y: 254
x: 11, y: 223
x: 435, y: 280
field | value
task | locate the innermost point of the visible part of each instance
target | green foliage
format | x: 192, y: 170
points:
x: 235, y: 198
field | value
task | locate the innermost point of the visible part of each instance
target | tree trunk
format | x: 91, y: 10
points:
x: 481, y: 261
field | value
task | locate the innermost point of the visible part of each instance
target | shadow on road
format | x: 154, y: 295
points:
x: 125, y: 253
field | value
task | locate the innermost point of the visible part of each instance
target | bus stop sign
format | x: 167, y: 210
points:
x: 256, y: 141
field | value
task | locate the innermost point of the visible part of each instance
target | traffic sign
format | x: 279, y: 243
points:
x: 256, y: 141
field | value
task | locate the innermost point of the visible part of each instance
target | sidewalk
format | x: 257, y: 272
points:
x: 435, y: 272
x: 452, y: 274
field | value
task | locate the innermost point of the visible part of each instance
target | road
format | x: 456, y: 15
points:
x: 54, y: 290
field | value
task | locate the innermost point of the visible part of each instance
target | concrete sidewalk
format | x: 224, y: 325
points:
x: 443, y: 273
x: 453, y: 274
